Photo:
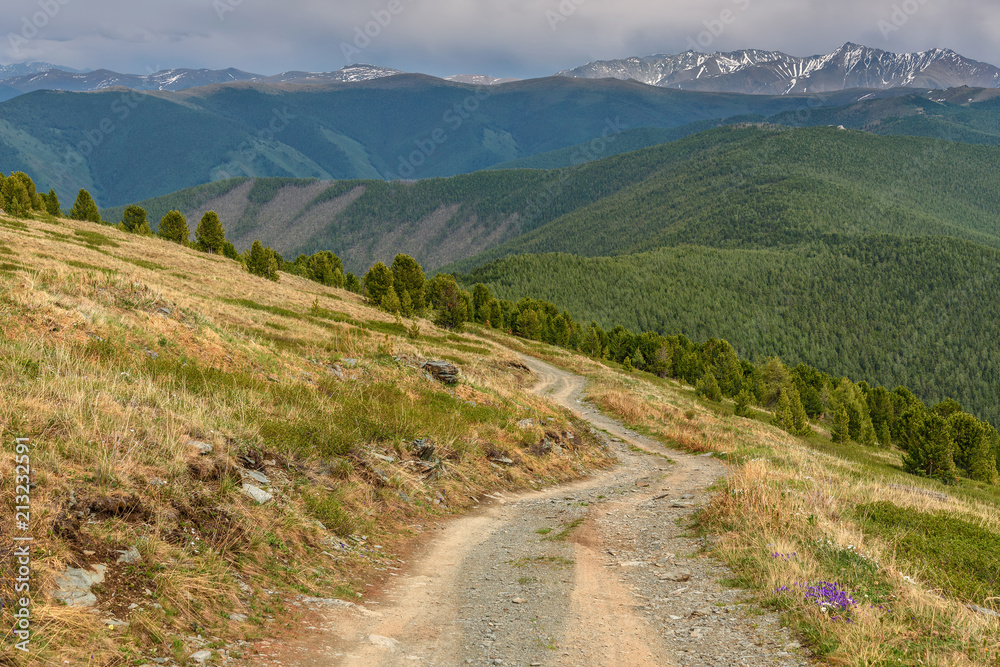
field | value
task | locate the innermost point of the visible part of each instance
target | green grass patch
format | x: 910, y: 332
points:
x: 855, y: 572
x: 142, y: 263
x: 13, y: 224
x: 543, y: 531
x: 390, y: 328
x: 90, y: 267
x: 555, y: 561
x: 273, y: 310
x: 331, y: 512
x: 95, y: 238
x: 567, y: 529
x: 959, y: 557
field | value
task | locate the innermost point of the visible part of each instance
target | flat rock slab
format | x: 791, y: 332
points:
x: 260, y: 496
x: 386, y: 643
x: 203, y: 448
x: 74, y: 585
x: 258, y: 477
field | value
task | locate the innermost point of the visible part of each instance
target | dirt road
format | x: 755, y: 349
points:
x: 599, y: 572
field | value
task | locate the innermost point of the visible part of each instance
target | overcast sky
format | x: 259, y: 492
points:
x: 520, y: 38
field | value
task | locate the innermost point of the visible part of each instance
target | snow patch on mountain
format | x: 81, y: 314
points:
x: 773, y: 72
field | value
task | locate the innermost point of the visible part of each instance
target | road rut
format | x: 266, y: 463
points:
x: 598, y: 572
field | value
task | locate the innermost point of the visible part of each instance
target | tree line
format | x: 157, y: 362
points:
x: 940, y: 441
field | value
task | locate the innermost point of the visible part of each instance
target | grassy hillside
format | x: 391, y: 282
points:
x: 869, y: 565
x: 126, y: 146
x: 118, y: 351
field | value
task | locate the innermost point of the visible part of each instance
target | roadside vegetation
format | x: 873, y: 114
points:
x: 867, y: 563
x: 152, y: 378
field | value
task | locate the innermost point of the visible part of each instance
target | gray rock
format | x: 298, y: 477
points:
x: 258, y: 477
x: 675, y: 575
x: 203, y: 447
x: 526, y: 423
x: 502, y: 460
x: 423, y: 448
x: 984, y: 611
x: 442, y: 371
x: 74, y: 585
x: 130, y: 555
x: 201, y: 657
x: 382, y: 457
x: 386, y: 643
x: 259, y: 495
x: 238, y: 618
x: 351, y: 363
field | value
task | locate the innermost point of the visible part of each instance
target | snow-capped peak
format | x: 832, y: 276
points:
x: 772, y: 72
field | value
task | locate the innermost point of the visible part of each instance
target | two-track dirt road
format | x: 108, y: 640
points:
x: 599, y: 572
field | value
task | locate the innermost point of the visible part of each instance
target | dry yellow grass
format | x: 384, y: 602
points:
x: 116, y: 350
x: 783, y: 496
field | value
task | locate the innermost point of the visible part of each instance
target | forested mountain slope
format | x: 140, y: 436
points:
x: 772, y: 186
x: 729, y: 187
x: 911, y: 311
x: 126, y: 146
x: 962, y: 115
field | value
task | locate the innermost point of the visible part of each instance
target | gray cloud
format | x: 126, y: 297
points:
x: 500, y: 37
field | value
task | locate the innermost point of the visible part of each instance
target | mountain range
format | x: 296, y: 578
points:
x: 53, y: 78
x: 124, y: 146
x: 759, y: 72
x: 750, y: 71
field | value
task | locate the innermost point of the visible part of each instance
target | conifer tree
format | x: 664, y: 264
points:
x: 35, y: 202
x: 931, y: 452
x: 14, y: 198
x: 448, y: 301
x: 134, y: 220
x: 210, y: 235
x: 261, y: 261
x: 708, y: 387
x: 841, y: 431
x: 407, y: 276
x: 378, y: 281
x: 52, y: 203
x: 743, y: 401
x: 85, y: 208
x: 174, y: 227
x: 800, y: 420
x: 390, y: 302
x: 783, y: 417
x: 973, y: 452
x: 352, y: 283
x: 406, y: 305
